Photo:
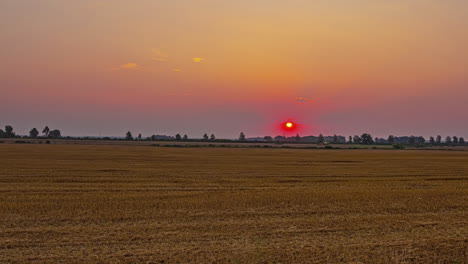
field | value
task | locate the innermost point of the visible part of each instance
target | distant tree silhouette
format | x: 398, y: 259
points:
x: 185, y: 137
x: 448, y: 140
x: 455, y: 140
x: 34, y: 133
x: 212, y: 137
x: 46, y: 131
x: 438, y: 139
x: 298, y: 138
x: 335, y: 139
x: 412, y: 140
x: 129, y: 136
x: 391, y: 139
x: 357, y: 139
x: 178, y: 137
x: 268, y: 138
x: 153, y: 137
x: 462, y: 141
x: 350, y: 139
x: 9, y: 132
x: 432, y: 140
x: 2, y: 133
x: 367, y: 139
x: 242, y: 136
x: 421, y: 140
x: 321, y: 139
x: 205, y: 137
x: 55, y: 133
x: 280, y: 138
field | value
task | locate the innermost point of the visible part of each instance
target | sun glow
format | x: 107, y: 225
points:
x: 289, y: 126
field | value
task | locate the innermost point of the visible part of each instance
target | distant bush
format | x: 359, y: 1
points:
x: 398, y: 146
x: 328, y: 147
x: 47, y: 142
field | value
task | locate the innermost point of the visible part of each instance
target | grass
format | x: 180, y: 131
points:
x: 142, y: 204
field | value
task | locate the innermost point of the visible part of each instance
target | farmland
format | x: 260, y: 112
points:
x: 147, y: 204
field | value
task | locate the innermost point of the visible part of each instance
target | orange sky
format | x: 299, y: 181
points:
x: 223, y: 67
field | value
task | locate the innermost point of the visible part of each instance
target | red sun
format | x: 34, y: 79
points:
x: 289, y: 126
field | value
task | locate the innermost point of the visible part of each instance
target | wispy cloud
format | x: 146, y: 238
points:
x: 198, y: 59
x: 302, y: 100
x: 130, y: 65
x: 127, y: 66
x: 158, y: 55
x: 176, y: 70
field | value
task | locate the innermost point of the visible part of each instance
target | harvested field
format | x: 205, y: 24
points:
x: 143, y: 204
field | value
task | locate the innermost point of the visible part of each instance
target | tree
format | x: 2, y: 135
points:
x: 242, y: 136
x: 421, y: 140
x: 438, y: 139
x: 2, y: 133
x: 391, y: 139
x: 412, y: 140
x: 280, y: 138
x: 268, y: 138
x: 178, y: 137
x: 298, y: 138
x: 129, y: 136
x: 55, y: 133
x: 367, y: 139
x: 448, y: 140
x: 455, y: 140
x: 350, y: 140
x: 335, y: 139
x: 205, y: 137
x: 357, y: 139
x: 212, y: 137
x: 139, y: 136
x: 9, y: 132
x: 185, y: 137
x: 46, y: 131
x: 34, y: 133
x: 461, y: 141
x: 432, y: 140
x: 321, y: 139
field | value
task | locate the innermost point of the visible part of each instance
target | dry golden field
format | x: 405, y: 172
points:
x: 143, y: 204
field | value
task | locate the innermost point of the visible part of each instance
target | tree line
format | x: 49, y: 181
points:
x: 177, y: 137
x: 33, y: 133
x: 363, y: 139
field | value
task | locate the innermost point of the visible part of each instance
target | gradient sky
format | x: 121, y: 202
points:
x: 92, y: 67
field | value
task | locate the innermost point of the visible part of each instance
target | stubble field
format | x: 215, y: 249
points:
x: 142, y: 204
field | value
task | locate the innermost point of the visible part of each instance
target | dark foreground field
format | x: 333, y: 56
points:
x: 141, y: 204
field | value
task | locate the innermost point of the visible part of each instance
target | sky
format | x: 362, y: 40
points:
x: 105, y: 67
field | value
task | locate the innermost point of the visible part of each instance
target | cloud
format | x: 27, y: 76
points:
x: 198, y: 59
x: 302, y: 100
x: 130, y: 65
x: 158, y: 55
x: 176, y: 70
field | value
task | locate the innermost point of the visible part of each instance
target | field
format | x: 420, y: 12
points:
x: 144, y: 204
